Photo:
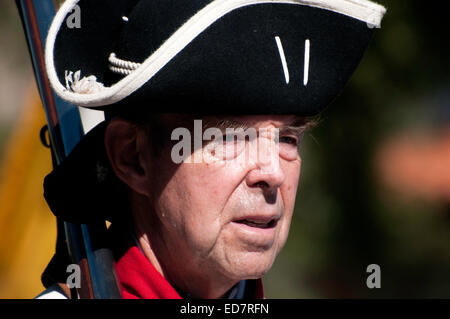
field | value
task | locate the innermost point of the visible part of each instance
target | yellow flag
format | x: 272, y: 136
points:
x: 27, y: 227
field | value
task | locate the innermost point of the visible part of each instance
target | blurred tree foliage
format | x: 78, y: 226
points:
x: 344, y: 219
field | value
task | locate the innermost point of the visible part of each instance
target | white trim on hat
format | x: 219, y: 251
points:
x: 120, y: 66
x: 283, y: 58
x: 306, y: 63
x: 363, y: 10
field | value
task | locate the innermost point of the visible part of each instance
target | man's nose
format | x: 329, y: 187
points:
x: 266, y: 171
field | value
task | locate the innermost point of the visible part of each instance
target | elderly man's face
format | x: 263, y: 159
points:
x: 226, y: 218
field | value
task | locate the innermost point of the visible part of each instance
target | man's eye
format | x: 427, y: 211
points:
x: 289, y: 140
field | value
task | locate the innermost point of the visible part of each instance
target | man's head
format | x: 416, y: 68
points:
x: 211, y: 223
x: 215, y: 211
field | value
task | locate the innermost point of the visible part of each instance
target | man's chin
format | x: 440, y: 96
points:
x: 253, y: 273
x: 251, y: 265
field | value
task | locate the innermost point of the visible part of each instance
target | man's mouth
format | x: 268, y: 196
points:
x: 258, y: 224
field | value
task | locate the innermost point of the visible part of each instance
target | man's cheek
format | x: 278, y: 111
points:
x: 202, y: 233
x: 289, y: 193
x: 290, y: 186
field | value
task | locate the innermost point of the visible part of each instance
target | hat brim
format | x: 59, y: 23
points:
x: 230, y: 56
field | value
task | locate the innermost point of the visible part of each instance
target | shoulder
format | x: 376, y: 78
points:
x: 52, y: 292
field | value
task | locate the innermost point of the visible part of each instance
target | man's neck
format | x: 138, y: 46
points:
x: 207, y: 288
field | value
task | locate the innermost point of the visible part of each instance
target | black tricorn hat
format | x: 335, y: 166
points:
x: 208, y: 56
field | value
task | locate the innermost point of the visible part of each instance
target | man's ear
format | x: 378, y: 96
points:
x: 124, y: 146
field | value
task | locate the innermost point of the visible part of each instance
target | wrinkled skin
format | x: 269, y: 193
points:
x: 189, y: 217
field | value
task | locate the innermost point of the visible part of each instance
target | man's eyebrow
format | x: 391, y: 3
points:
x: 300, y: 125
x: 294, y: 130
x: 297, y: 126
x: 223, y: 124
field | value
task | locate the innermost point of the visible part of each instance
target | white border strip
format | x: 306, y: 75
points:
x: 363, y: 10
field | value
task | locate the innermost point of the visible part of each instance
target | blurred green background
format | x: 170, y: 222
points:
x: 375, y: 185
x: 348, y: 214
